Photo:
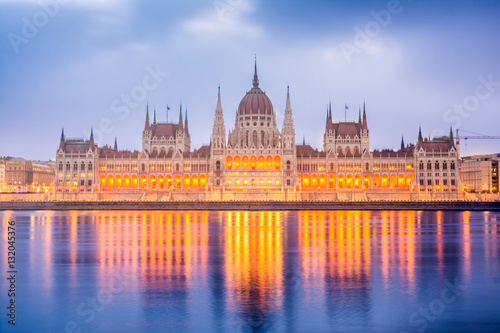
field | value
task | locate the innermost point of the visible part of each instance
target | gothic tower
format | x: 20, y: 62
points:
x: 289, y: 152
x: 218, y: 146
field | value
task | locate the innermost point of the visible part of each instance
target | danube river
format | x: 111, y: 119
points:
x: 305, y: 271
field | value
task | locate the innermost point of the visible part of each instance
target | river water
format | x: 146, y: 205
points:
x: 306, y: 271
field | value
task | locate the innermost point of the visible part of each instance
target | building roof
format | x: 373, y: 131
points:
x: 255, y: 101
x: 308, y: 151
x: 164, y: 129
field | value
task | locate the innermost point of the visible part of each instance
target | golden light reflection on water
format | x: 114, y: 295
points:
x: 254, y: 260
x: 330, y: 252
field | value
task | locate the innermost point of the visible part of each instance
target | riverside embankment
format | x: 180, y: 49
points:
x: 251, y: 205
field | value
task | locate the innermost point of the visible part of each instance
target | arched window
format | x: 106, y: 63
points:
x: 367, y: 167
x: 68, y: 166
x: 421, y: 166
x: 255, y: 138
x: 90, y: 166
x: 75, y: 166
x: 288, y: 165
x: 452, y: 165
x: 82, y: 167
x: 177, y: 167
x: 436, y: 166
x: 429, y: 165
x: 60, y: 166
x: 262, y: 138
x: 217, y: 166
x: 445, y: 165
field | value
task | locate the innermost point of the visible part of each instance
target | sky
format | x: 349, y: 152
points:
x: 81, y: 64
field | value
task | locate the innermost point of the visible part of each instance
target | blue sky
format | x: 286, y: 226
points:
x: 433, y: 63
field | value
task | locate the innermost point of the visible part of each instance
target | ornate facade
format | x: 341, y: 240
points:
x: 257, y: 156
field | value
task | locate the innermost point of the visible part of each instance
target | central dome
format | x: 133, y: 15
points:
x: 255, y: 101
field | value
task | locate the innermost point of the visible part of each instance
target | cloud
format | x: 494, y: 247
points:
x: 226, y: 18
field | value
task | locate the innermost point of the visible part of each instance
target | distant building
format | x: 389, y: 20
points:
x: 3, y: 183
x: 256, y: 155
x: 479, y: 173
x: 22, y: 175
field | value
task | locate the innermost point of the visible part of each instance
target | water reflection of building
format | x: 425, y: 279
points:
x: 254, y: 265
x: 336, y: 258
x: 161, y: 249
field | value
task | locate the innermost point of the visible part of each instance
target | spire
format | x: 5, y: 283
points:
x: 181, y: 127
x: 420, y: 138
x: 255, y: 77
x: 365, y: 124
x: 219, y: 103
x: 61, y: 143
x: 359, y: 115
x: 402, y: 142
x: 186, y: 129
x: 92, y: 135
x: 116, y: 145
x: 330, y: 110
x: 288, y: 105
x: 303, y: 140
x: 154, y: 117
x: 451, y: 133
x: 146, y: 125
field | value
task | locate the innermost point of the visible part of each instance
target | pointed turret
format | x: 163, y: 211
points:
x: 186, y: 128
x: 451, y: 133
x: 146, y: 125
x: 255, y: 77
x: 116, y: 145
x: 288, y: 129
x: 92, y: 135
x: 365, y: 124
x: 330, y: 110
x: 420, y: 138
x: 359, y: 115
x: 181, y: 127
x: 288, y: 106
x: 402, y: 143
x: 219, y: 103
x: 61, y: 143
x: 154, y: 116
x: 303, y: 140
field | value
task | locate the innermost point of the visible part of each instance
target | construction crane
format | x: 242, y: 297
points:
x: 475, y: 136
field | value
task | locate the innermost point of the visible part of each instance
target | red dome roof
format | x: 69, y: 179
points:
x: 255, y: 102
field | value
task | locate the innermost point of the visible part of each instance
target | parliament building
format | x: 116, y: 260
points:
x: 256, y: 157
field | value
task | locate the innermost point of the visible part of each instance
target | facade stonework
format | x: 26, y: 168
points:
x: 256, y: 156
